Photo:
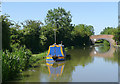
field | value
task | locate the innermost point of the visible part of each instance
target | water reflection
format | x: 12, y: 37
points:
x: 115, y: 56
x: 103, y: 51
x: 80, y: 56
x: 55, y: 68
x: 102, y: 48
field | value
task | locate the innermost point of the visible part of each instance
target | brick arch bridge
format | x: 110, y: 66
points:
x: 109, y: 38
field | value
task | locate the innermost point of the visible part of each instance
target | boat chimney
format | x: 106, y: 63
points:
x: 55, y: 34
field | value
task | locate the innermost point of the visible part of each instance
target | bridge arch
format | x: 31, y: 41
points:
x: 109, y: 38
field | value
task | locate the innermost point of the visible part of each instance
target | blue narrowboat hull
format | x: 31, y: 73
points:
x: 56, y: 53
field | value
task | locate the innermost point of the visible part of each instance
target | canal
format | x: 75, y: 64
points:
x: 87, y: 64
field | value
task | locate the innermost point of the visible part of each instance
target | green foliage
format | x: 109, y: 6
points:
x: 81, y: 33
x: 60, y: 19
x: 109, y: 31
x: 31, y: 33
x: 84, y: 30
x: 35, y: 59
x: 14, y: 62
x: 117, y: 35
x: 16, y: 34
x: 5, y: 31
x: 47, y: 36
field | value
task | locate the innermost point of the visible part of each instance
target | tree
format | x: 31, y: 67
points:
x: 15, y: 34
x: 5, y: 31
x: 117, y: 35
x: 47, y: 36
x: 31, y: 33
x: 60, y: 19
x: 109, y: 31
x: 81, y: 34
x: 84, y: 30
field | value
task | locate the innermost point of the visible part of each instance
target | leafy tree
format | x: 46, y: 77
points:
x: 117, y: 35
x: 81, y: 34
x: 15, y: 34
x: 84, y: 30
x: 31, y: 33
x: 60, y: 19
x: 5, y: 32
x: 109, y: 31
x: 46, y: 37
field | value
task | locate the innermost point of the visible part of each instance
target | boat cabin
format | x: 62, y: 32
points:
x: 56, y: 53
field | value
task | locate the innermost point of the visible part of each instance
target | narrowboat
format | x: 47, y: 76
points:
x: 56, y: 53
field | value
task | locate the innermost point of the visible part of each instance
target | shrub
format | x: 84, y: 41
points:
x: 14, y: 62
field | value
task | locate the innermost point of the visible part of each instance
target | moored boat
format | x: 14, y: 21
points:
x: 56, y: 53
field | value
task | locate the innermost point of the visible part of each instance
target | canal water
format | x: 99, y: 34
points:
x: 88, y: 64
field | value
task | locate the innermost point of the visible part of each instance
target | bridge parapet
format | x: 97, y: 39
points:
x: 101, y: 36
x: 109, y: 38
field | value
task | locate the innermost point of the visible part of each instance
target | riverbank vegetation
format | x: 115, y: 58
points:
x: 14, y: 62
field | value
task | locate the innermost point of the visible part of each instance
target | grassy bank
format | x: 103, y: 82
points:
x: 37, y: 59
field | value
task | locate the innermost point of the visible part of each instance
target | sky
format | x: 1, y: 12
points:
x: 97, y: 14
x: 59, y: 0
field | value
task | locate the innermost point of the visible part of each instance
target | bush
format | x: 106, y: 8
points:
x: 14, y: 62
